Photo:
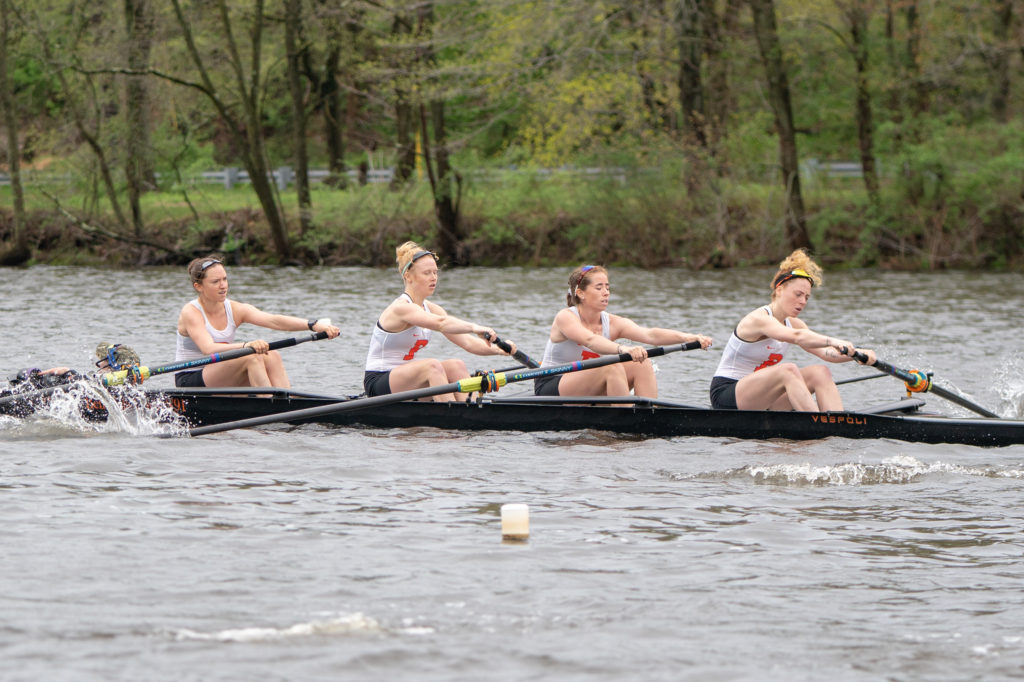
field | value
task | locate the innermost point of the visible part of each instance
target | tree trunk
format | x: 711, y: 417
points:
x: 405, y: 161
x: 1001, y: 61
x: 139, y: 172
x: 334, y: 125
x: 919, y: 103
x: 442, y: 179
x: 436, y: 156
x: 255, y: 156
x: 405, y: 122
x: 292, y: 39
x: 247, y: 132
x: 720, y: 100
x: 691, y: 48
x: 858, y: 18
x: 767, y: 35
x: 18, y: 252
x: 895, y: 90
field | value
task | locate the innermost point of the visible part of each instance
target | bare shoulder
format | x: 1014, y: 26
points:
x: 754, y: 325
x: 395, y: 316
x: 797, y: 323
x: 566, y: 318
x: 242, y: 312
x: 188, y: 312
x: 619, y: 322
x: 757, y: 316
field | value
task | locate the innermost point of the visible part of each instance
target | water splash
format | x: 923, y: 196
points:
x: 1009, y: 384
x: 86, y: 408
x: 342, y: 625
x: 900, y: 469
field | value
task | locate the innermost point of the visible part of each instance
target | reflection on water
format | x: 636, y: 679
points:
x: 327, y: 553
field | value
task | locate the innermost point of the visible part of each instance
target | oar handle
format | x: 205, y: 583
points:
x: 287, y: 343
x: 662, y: 350
x: 519, y: 355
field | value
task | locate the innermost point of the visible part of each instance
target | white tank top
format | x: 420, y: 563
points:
x: 392, y: 349
x: 741, y: 358
x: 564, y: 352
x: 187, y: 349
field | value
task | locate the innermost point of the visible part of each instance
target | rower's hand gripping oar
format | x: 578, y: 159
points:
x: 919, y: 382
x: 494, y: 380
x: 135, y: 374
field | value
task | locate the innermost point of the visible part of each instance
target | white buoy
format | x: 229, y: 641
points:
x: 515, y: 522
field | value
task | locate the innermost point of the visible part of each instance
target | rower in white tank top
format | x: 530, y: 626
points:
x: 392, y: 349
x: 186, y: 349
x: 740, y: 358
x: 564, y: 352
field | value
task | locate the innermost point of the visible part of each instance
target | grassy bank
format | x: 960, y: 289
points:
x: 928, y: 216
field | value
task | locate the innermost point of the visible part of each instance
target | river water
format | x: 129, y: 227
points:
x: 317, y: 553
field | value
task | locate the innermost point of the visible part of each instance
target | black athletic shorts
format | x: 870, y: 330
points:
x: 377, y: 383
x: 546, y: 385
x: 190, y: 379
x: 723, y: 393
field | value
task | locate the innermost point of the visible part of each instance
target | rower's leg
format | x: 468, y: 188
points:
x: 819, y: 381
x: 420, y: 374
x: 244, y: 371
x: 607, y: 380
x: 640, y: 376
x: 779, y: 387
x: 455, y: 370
x: 273, y: 365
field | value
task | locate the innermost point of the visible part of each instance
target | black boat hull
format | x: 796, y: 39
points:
x: 645, y: 418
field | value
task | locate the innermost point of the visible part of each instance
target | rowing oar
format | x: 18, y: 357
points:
x: 119, y: 377
x: 524, y: 359
x: 919, y: 382
x: 140, y: 373
x: 469, y: 385
x: 853, y: 380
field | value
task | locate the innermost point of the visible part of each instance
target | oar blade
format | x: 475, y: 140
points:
x: 918, y: 381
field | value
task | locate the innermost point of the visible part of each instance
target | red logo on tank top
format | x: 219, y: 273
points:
x: 588, y: 355
x: 412, y: 351
x: 773, y: 359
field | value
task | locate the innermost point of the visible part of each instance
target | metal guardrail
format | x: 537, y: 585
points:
x: 284, y: 176
x: 812, y: 168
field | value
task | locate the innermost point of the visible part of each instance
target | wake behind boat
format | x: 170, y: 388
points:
x: 898, y: 420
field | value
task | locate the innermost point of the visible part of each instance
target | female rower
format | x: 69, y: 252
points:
x: 751, y: 374
x: 585, y: 330
x: 207, y: 325
x: 405, y: 327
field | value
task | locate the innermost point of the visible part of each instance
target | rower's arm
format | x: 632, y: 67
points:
x: 192, y: 325
x: 825, y: 347
x: 625, y: 328
x: 245, y: 312
x: 573, y: 329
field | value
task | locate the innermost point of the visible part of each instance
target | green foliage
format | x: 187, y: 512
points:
x: 550, y: 89
x: 35, y: 89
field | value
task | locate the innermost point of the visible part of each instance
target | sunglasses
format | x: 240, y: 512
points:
x: 206, y: 264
